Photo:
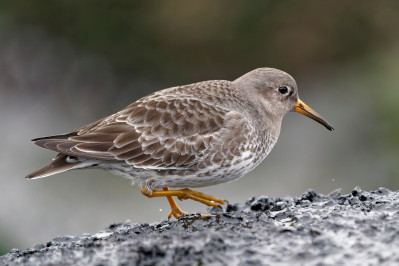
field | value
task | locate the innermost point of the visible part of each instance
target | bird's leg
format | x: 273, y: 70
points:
x: 182, y: 194
x: 175, y: 210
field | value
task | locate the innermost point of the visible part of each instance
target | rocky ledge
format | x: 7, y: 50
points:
x: 361, y: 228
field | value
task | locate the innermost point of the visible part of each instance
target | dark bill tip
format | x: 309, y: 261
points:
x: 302, y: 108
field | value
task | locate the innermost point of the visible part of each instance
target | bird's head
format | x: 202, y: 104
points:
x: 278, y: 93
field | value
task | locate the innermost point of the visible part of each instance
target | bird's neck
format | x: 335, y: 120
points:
x: 264, y: 119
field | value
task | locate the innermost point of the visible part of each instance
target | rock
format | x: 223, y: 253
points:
x: 312, y: 229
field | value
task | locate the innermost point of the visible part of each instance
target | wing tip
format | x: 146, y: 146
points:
x: 42, y: 172
x: 59, y: 165
x: 33, y: 175
x: 61, y: 136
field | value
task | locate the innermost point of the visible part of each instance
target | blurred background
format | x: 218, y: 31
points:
x: 64, y: 64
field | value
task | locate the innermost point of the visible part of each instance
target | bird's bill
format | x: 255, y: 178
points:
x: 302, y: 108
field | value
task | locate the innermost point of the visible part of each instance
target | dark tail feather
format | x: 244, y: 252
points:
x: 59, y: 165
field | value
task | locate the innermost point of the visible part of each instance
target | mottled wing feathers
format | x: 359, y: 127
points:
x: 155, y: 132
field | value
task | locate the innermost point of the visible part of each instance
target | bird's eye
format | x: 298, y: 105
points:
x: 283, y: 89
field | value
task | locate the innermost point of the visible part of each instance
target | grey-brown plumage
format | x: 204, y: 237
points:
x: 188, y: 136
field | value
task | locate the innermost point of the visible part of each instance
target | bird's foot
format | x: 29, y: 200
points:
x: 200, y: 197
x: 183, y: 194
x: 175, y: 210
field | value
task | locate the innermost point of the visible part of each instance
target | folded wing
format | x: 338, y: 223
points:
x: 152, y: 133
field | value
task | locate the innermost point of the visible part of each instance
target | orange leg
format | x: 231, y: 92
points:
x: 176, y: 211
x: 182, y: 194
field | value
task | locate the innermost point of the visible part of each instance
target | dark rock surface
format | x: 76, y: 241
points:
x: 361, y: 228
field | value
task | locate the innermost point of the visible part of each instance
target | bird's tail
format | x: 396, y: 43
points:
x: 59, y: 165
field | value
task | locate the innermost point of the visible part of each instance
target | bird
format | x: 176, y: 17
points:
x: 185, y: 137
